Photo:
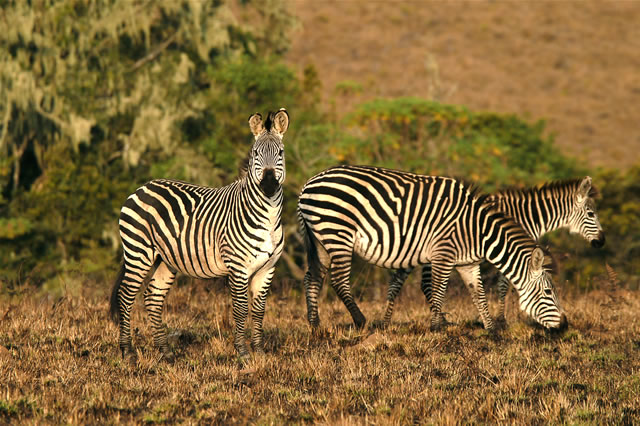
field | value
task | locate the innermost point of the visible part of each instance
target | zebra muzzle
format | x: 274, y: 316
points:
x: 564, y: 324
x: 599, y: 242
x: 269, y: 184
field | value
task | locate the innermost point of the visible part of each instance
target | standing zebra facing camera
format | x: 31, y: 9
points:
x: 539, y: 210
x: 233, y: 231
x: 395, y: 219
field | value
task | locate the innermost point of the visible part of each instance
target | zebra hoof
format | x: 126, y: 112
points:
x: 320, y: 333
x: 314, y: 322
x: 243, y: 352
x: 500, y: 323
x: 439, y: 322
x: 490, y: 326
x: 244, y: 359
x: 258, y: 349
x: 438, y: 325
x: 168, y: 356
x: 130, y: 356
x: 381, y: 324
x: 359, y: 320
x: 493, y: 331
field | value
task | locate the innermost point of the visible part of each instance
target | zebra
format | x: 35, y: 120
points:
x: 539, y: 210
x: 395, y: 219
x: 233, y: 231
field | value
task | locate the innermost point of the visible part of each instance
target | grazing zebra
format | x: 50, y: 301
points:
x: 398, y: 220
x: 539, y: 210
x: 234, y: 231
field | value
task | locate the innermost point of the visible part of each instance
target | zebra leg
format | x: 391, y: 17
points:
x: 238, y: 285
x: 154, y: 298
x: 397, y: 280
x: 134, y: 274
x: 260, y: 284
x: 441, y: 270
x: 340, y: 270
x: 471, y: 276
x: 312, y: 286
x: 503, y: 289
x: 425, y: 286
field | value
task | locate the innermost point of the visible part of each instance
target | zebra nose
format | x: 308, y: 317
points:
x: 269, y: 184
x: 598, y: 242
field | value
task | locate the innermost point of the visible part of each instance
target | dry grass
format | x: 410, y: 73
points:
x: 59, y: 363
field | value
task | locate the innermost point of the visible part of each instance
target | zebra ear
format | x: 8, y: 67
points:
x: 256, y: 125
x: 280, y: 122
x: 537, y: 259
x: 584, y: 189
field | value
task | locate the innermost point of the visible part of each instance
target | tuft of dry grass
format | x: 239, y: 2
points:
x: 60, y: 363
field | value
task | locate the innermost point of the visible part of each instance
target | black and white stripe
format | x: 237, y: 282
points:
x: 555, y: 205
x: 398, y: 220
x: 234, y: 231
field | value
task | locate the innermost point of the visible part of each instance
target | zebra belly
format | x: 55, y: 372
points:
x: 209, y: 265
x: 388, y: 254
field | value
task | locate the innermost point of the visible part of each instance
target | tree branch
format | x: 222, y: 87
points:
x: 5, y: 125
x: 296, y: 271
x: 151, y: 56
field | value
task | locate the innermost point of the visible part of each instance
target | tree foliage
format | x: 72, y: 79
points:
x: 96, y: 98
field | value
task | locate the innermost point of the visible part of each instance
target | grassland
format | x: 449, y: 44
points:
x: 59, y: 363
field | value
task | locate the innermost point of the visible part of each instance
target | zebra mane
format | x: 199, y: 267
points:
x: 268, y: 124
x: 548, y: 187
x: 475, y: 191
x: 243, y: 167
x: 550, y: 265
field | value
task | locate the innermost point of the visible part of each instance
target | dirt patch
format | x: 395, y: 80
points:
x: 572, y: 64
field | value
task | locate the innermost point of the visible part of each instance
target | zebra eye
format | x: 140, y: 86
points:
x: 591, y: 214
x: 548, y: 292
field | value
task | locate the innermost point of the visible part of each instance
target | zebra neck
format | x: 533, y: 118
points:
x: 507, y: 246
x: 254, y: 198
x: 537, y: 213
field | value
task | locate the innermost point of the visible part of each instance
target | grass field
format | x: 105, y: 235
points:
x: 59, y: 363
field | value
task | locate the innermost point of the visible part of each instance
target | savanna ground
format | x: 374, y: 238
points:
x: 60, y: 363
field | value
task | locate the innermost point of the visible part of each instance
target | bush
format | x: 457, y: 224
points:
x: 427, y: 137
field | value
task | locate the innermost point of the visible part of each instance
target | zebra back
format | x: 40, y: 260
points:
x: 562, y: 204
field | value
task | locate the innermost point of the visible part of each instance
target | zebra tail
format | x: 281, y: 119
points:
x: 312, y: 251
x: 114, y: 308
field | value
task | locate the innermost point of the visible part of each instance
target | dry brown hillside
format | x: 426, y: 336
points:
x: 574, y: 64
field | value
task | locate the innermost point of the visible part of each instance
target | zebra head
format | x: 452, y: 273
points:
x: 538, y: 296
x: 266, y: 159
x: 583, y: 218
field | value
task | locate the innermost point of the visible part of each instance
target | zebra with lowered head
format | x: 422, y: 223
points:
x: 233, y: 231
x: 395, y: 220
x: 539, y: 210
